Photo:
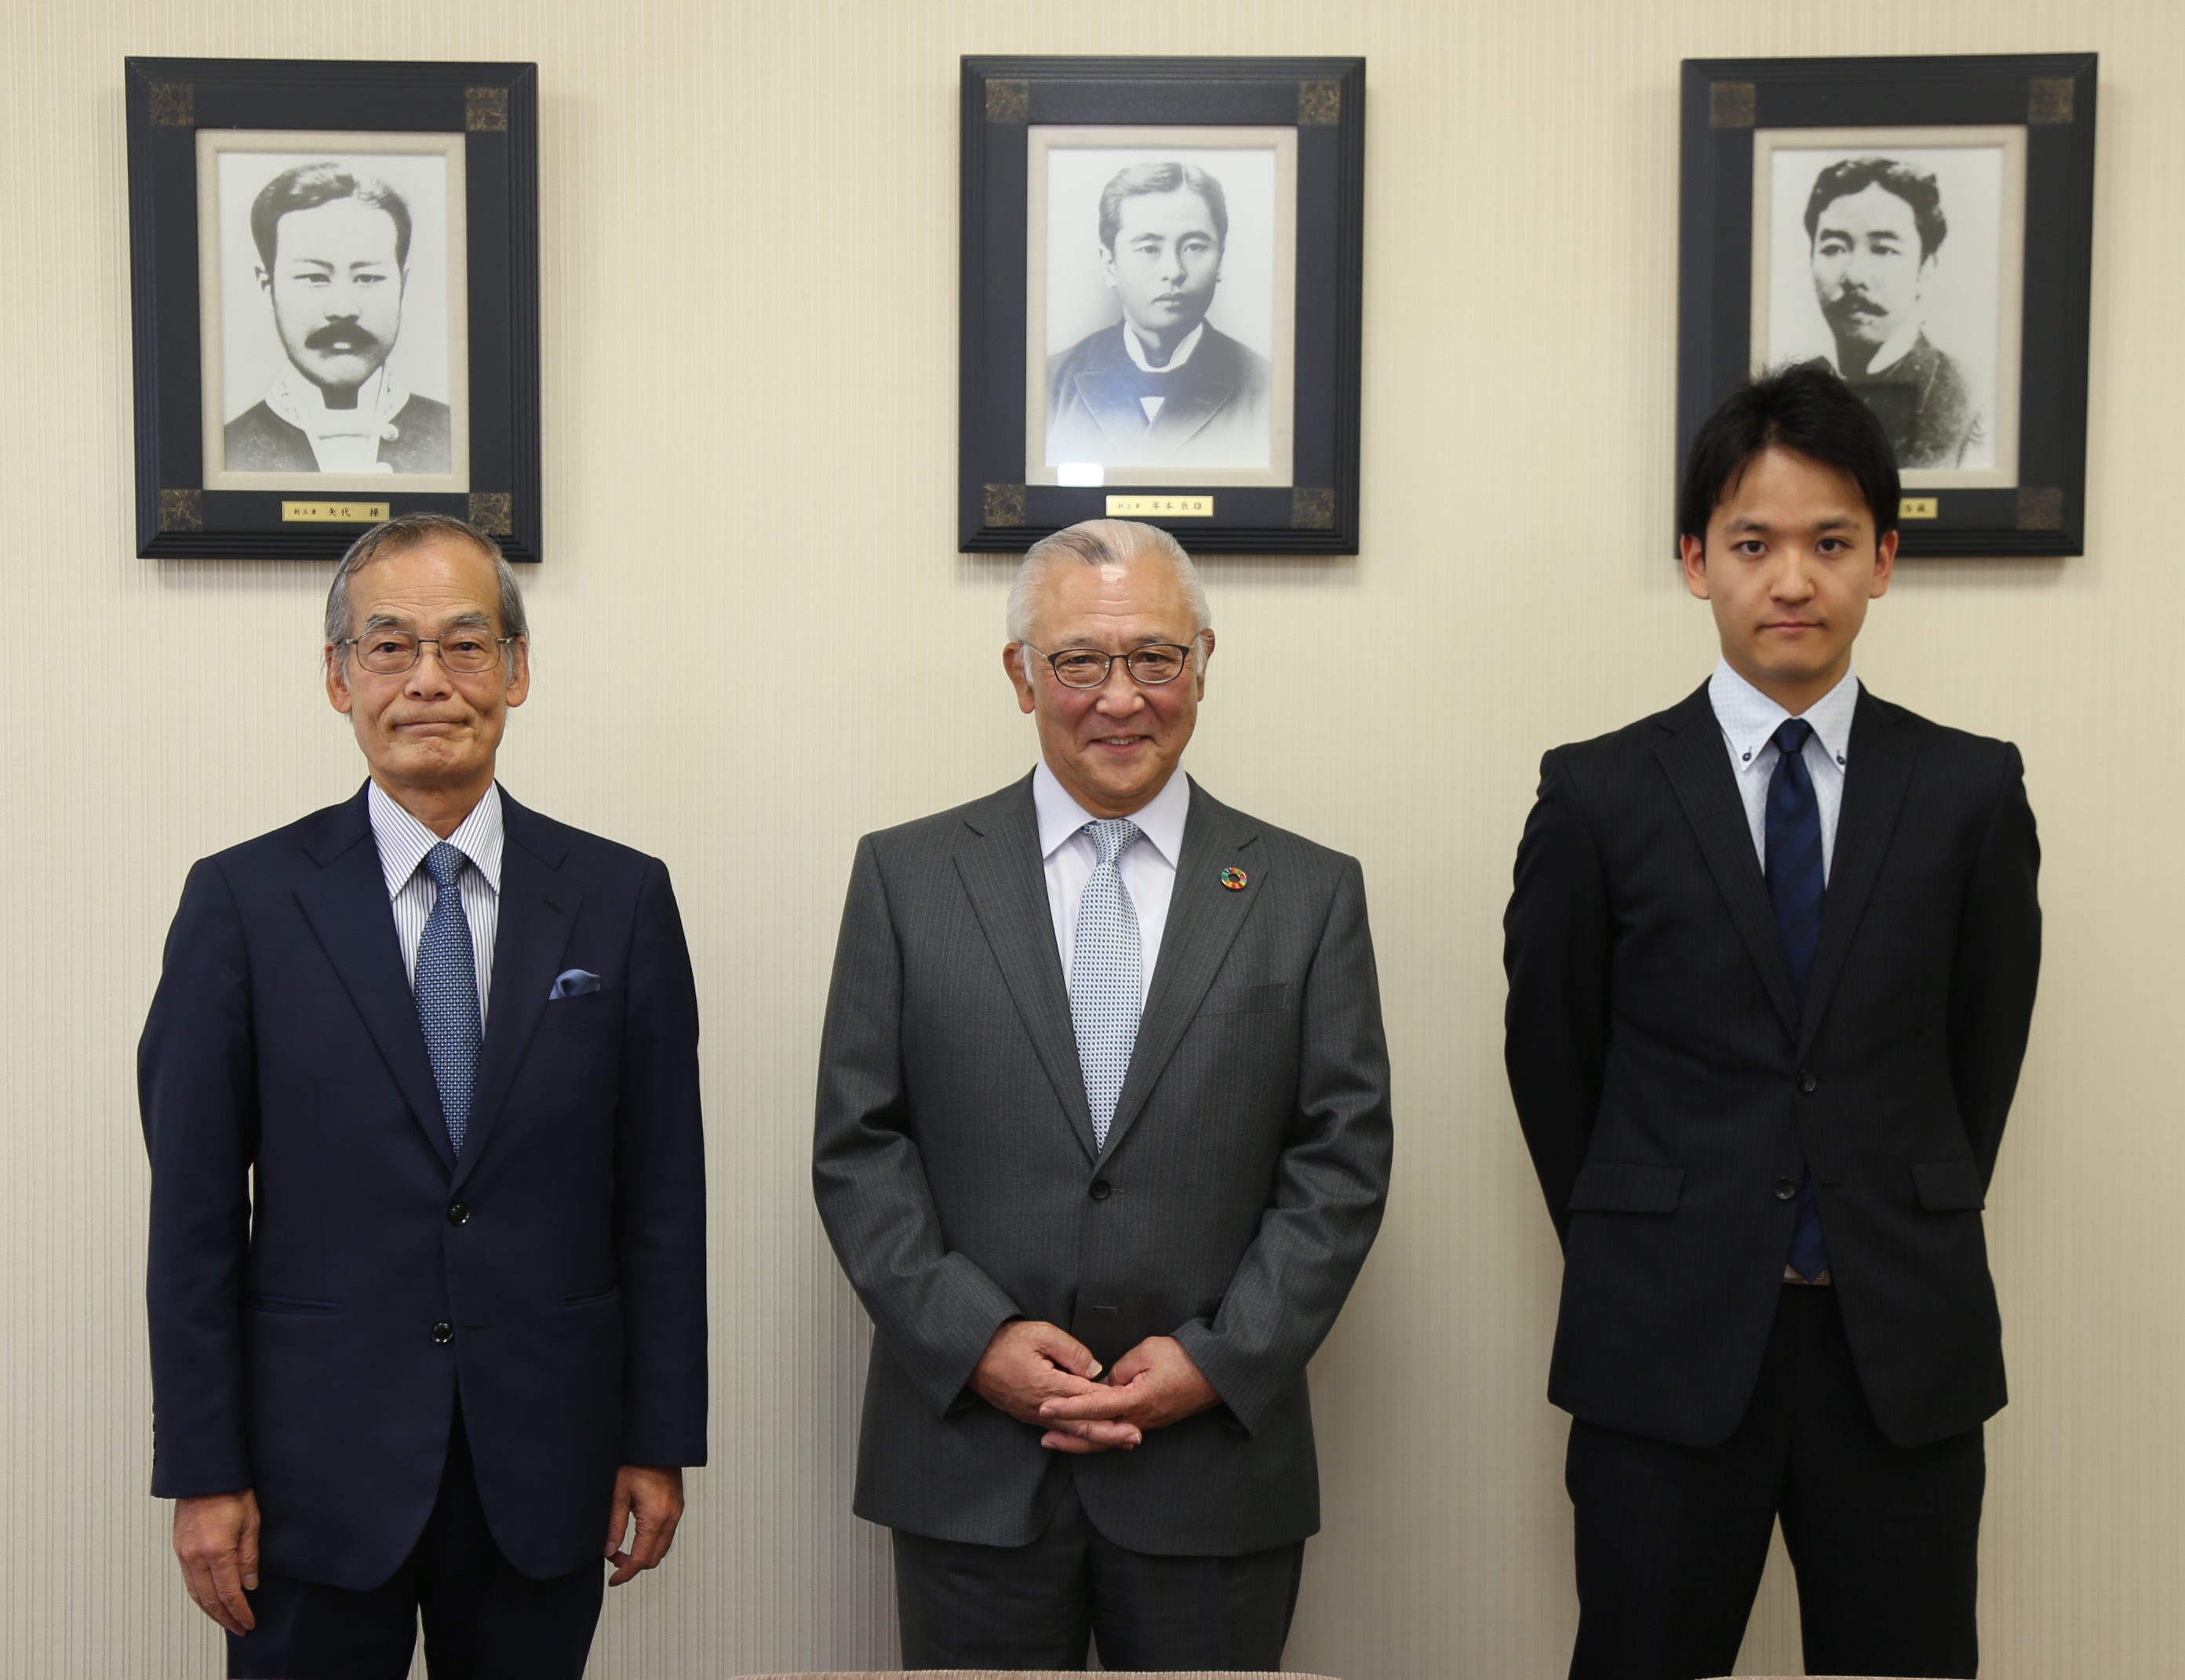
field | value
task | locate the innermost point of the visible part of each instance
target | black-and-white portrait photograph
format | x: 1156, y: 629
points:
x: 1160, y: 306
x: 334, y: 307
x: 1898, y: 256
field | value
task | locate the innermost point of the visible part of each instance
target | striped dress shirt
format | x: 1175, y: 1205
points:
x: 403, y: 842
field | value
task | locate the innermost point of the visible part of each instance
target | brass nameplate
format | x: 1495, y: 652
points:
x: 1160, y: 508
x: 332, y: 512
x: 1920, y: 507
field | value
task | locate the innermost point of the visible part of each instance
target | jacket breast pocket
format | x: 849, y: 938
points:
x: 1949, y: 1187
x: 286, y: 1303
x: 1246, y: 999
x: 1626, y: 1187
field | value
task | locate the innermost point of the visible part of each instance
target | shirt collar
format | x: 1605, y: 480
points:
x: 404, y: 841
x: 1894, y: 349
x: 1138, y: 350
x: 1748, y: 717
x: 1160, y: 820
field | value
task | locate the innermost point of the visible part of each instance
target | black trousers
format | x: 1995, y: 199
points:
x: 1038, y: 1606
x: 1671, y: 1540
x: 483, y: 1621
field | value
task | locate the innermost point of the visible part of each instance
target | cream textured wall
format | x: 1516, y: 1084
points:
x: 750, y: 222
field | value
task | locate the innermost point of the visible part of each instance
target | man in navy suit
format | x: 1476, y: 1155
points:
x: 420, y: 1089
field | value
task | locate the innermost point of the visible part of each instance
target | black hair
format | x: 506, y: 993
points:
x: 1161, y: 178
x: 308, y: 186
x: 1855, y: 175
x: 1802, y: 407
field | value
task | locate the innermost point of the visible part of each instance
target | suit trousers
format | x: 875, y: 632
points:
x: 483, y: 1619
x: 1671, y: 1540
x: 1040, y: 1606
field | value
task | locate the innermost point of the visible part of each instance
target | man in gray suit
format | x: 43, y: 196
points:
x: 1102, y: 1139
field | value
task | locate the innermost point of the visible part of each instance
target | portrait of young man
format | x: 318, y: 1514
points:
x: 332, y: 246
x: 426, y: 1284
x: 1103, y: 1139
x: 1162, y: 385
x: 1772, y: 957
x: 1874, y: 227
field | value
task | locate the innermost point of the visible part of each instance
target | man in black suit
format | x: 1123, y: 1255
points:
x: 1102, y: 1139
x: 1772, y: 956
x: 333, y: 252
x: 427, y: 1268
x: 1163, y: 386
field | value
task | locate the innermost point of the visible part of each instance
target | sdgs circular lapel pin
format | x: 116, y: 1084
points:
x: 1234, y: 878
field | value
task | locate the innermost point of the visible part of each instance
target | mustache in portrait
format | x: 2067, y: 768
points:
x: 339, y: 334
x: 1847, y: 305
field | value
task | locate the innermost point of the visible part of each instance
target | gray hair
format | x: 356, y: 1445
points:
x: 1105, y: 542
x: 400, y: 536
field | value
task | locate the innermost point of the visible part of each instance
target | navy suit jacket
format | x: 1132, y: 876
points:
x: 327, y: 1279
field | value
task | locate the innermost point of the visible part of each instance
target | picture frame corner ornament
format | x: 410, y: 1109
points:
x: 182, y: 510
x: 485, y: 110
x: 1008, y: 102
x: 494, y: 512
x: 1312, y: 508
x: 1004, y: 505
x: 2051, y: 100
x: 174, y: 104
x: 1320, y: 104
x: 2039, y: 508
x: 1732, y: 104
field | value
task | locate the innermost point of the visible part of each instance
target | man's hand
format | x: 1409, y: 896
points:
x: 1154, y: 1385
x: 1029, y: 1365
x: 216, y: 1543
x: 650, y: 1499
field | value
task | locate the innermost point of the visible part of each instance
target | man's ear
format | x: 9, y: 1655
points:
x: 264, y: 280
x: 1013, y: 662
x: 1694, y: 550
x: 1885, y: 565
x: 337, y: 690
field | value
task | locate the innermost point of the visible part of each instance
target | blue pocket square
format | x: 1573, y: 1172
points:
x: 573, y: 982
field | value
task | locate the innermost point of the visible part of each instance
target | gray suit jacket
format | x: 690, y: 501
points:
x: 1241, y: 1186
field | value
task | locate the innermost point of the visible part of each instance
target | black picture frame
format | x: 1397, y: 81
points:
x: 1323, y: 100
x: 1729, y: 102
x: 494, y: 109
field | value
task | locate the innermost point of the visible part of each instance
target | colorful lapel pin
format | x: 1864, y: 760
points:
x: 1234, y: 878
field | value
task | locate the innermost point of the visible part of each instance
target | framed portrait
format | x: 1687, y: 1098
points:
x: 1161, y: 279
x: 336, y: 302
x: 1925, y: 227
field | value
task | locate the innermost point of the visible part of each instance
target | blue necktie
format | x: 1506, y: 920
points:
x: 1107, y: 975
x: 1796, y: 886
x: 447, y: 992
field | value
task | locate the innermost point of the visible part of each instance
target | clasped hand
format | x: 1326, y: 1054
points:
x: 1040, y: 1374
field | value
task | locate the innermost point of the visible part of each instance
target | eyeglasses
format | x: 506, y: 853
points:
x: 390, y: 653
x: 1150, y: 666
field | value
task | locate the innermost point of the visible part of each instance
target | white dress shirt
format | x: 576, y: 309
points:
x: 404, y: 841
x: 1749, y: 719
x: 1148, y: 865
x: 1136, y: 346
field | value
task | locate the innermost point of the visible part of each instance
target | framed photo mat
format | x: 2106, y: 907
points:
x: 2011, y: 139
x: 1292, y: 271
x: 472, y: 128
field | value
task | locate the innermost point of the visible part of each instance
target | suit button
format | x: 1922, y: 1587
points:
x: 1785, y: 1189
x: 1101, y: 1191
x: 459, y: 1215
x: 1807, y: 1081
x: 444, y: 1332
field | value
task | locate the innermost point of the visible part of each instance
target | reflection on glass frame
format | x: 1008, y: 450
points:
x: 335, y: 271
x: 1924, y: 226
x: 1146, y: 329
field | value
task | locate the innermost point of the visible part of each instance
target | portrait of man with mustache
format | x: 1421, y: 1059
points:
x: 1874, y: 225
x: 1163, y: 386
x: 333, y: 250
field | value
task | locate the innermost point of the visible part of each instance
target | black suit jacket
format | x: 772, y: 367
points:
x: 311, y: 1225
x: 1669, y: 1088
x: 258, y: 440
x: 1214, y: 408
x: 1240, y: 1187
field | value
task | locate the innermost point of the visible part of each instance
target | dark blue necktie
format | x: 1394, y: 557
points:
x: 1796, y: 886
x: 447, y: 992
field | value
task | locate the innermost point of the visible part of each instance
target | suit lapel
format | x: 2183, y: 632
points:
x: 998, y: 861
x: 537, y: 909
x: 1880, y: 771
x: 1203, y: 919
x: 347, y: 905
x: 1698, y: 768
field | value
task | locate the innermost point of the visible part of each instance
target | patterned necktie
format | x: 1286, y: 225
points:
x: 1798, y: 886
x: 1107, y: 975
x: 447, y: 992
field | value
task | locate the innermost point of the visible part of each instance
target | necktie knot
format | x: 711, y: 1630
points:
x: 1792, y: 735
x: 444, y: 864
x: 1110, y: 835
